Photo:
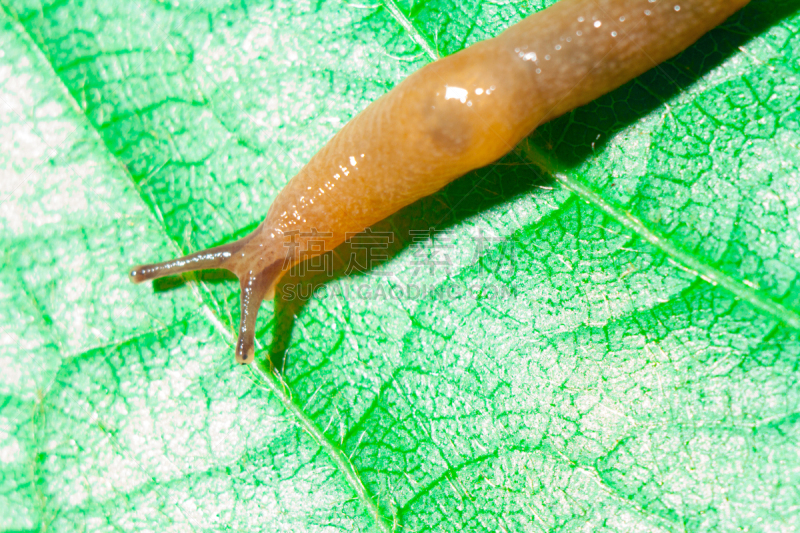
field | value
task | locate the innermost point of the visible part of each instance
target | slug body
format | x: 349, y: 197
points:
x: 454, y: 115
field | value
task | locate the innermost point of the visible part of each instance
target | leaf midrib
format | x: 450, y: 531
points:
x: 701, y: 269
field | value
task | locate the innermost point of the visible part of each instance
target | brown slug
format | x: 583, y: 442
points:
x: 451, y: 116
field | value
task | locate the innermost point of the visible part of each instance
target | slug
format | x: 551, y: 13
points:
x: 451, y: 116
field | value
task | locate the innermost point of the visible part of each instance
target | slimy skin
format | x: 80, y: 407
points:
x: 454, y: 115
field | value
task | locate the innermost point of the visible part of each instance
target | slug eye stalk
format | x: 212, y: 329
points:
x: 210, y: 258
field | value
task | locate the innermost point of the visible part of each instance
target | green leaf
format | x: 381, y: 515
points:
x: 612, y: 347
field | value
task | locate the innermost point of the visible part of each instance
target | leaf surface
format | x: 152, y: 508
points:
x: 613, y: 347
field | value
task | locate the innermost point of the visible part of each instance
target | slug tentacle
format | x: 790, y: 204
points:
x: 256, y: 287
x: 205, y: 259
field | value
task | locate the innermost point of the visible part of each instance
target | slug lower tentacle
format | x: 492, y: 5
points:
x: 452, y: 116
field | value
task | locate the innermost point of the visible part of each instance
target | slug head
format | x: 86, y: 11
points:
x: 257, y: 282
